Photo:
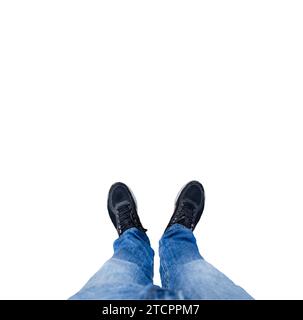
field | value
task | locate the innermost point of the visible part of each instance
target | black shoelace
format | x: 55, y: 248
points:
x: 128, y: 219
x: 186, y: 214
x: 126, y: 216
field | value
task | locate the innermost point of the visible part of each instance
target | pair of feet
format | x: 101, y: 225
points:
x: 122, y: 207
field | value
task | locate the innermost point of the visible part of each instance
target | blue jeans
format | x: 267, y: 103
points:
x: 184, y: 273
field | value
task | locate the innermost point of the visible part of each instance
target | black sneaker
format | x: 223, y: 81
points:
x: 122, y: 208
x: 189, y: 205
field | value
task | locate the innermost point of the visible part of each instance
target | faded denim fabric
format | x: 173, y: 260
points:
x: 184, y: 273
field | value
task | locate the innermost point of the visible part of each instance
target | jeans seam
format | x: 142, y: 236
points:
x: 165, y: 270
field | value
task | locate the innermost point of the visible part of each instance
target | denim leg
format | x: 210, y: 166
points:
x: 183, y: 268
x: 128, y: 274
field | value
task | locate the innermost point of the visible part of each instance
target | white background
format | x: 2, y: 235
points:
x: 154, y: 94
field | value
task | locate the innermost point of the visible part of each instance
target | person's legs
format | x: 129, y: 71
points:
x: 183, y: 268
x: 128, y: 274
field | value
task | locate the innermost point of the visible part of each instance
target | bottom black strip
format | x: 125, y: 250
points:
x: 138, y: 309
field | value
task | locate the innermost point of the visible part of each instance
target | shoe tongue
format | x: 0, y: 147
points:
x: 189, y: 204
x: 123, y: 204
